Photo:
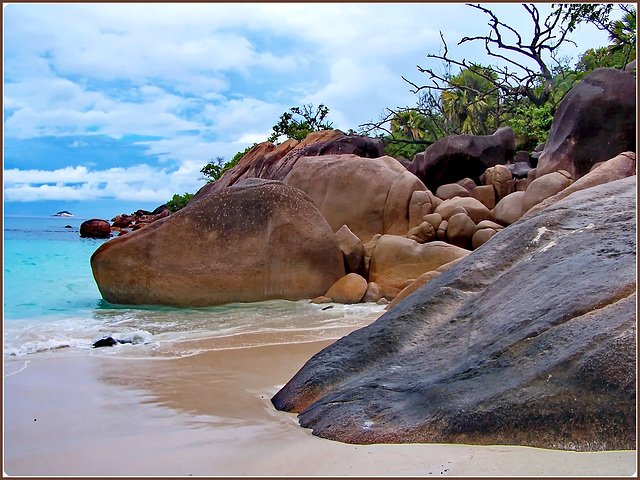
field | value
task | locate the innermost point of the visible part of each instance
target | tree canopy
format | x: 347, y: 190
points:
x: 521, y: 88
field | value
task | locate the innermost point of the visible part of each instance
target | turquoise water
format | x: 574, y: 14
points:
x: 51, y: 303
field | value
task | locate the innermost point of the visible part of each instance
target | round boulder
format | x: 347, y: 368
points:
x: 95, y: 228
x: 369, y: 195
x: 474, y: 208
x: 544, y: 187
x: 254, y: 241
x: 450, y: 190
x: 349, y: 289
x: 460, y: 230
x: 509, y: 209
x: 398, y: 261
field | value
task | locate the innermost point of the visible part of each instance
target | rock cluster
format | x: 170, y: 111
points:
x: 510, y: 290
x: 529, y: 340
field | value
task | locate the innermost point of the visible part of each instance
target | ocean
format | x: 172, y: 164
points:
x: 52, y: 306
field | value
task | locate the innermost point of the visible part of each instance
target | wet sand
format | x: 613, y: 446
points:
x: 210, y: 414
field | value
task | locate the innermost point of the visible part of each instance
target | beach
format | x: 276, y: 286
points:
x: 210, y: 414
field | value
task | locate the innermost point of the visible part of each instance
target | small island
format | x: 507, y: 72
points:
x: 63, y: 213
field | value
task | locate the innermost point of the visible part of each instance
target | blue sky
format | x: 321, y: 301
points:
x: 109, y: 108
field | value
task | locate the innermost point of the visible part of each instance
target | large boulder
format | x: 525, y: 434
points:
x: 256, y: 240
x: 595, y: 121
x: 272, y: 162
x: 529, y: 340
x: 398, y: 261
x: 458, y: 156
x: 95, y: 228
x: 369, y: 195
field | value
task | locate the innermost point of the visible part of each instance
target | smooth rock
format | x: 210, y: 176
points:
x: 398, y: 261
x: 451, y: 190
x: 595, y: 121
x: 368, y: 195
x: 509, y: 209
x: 544, y: 187
x: 422, y: 203
x: 462, y: 156
x: 460, y: 230
x: 351, y: 248
x: 473, y: 207
x: 95, y: 228
x: 486, y: 195
x: 617, y: 168
x: 349, y: 289
x: 373, y: 293
x: 482, y: 236
x: 254, y: 241
x: 467, y: 183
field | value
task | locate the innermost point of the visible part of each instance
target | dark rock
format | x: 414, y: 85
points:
x: 160, y: 209
x: 459, y: 156
x: 123, y: 221
x: 68, y: 226
x: 95, y: 228
x: 105, y: 342
x: 519, y: 169
x: 522, y: 157
x: 595, y: 121
x: 473, y: 357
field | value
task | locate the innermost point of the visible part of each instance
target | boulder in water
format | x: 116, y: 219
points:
x: 257, y: 240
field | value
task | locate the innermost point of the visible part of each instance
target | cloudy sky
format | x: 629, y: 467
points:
x: 113, y: 107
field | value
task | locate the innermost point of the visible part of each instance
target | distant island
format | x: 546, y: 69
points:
x: 63, y: 213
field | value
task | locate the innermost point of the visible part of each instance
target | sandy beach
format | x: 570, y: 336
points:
x: 210, y: 414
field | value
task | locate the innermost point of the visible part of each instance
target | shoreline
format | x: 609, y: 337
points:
x: 210, y: 414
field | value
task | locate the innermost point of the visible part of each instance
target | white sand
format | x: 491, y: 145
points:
x: 210, y: 414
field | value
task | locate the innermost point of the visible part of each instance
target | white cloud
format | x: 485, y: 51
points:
x: 135, y: 183
x: 223, y: 72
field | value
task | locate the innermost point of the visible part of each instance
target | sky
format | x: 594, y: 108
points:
x: 111, y: 108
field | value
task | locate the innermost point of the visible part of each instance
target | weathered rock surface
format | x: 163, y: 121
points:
x: 458, y: 156
x: 595, y: 121
x: 256, y: 240
x: 397, y: 261
x: 272, y: 162
x: 425, y: 232
x: 95, y: 228
x: 369, y: 195
x: 473, y: 357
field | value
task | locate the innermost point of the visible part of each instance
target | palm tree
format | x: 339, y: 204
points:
x: 470, y: 101
x: 623, y: 33
x: 410, y: 124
